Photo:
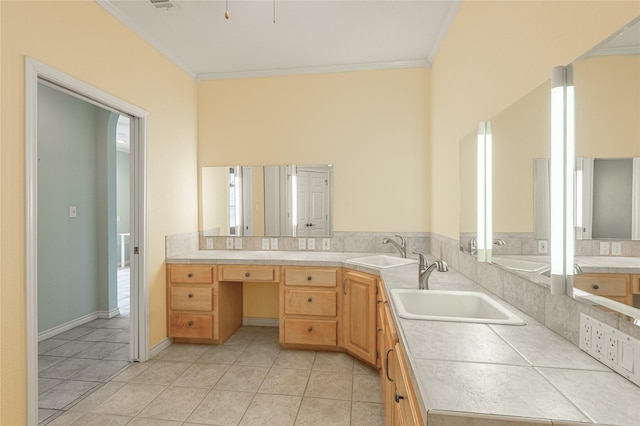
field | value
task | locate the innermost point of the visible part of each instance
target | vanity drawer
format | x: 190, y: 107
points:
x: 602, y: 285
x: 197, y: 274
x: 248, y: 273
x: 192, y: 298
x: 311, y: 277
x: 191, y: 326
x: 310, y: 332
x: 310, y: 302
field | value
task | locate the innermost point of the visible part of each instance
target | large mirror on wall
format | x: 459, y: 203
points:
x: 267, y: 201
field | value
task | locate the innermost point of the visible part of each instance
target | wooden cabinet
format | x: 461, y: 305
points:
x: 195, y: 314
x: 359, y: 326
x: 309, y: 307
x: 617, y: 287
x: 399, y: 399
x: 253, y: 273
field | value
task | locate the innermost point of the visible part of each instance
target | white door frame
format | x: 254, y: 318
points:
x: 139, y: 329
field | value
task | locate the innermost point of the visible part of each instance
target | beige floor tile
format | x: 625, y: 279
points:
x: 221, y: 408
x: 121, y: 354
x: 90, y: 402
x: 58, y: 397
x: 360, y: 367
x: 134, y: 369
x: 49, y: 344
x: 67, y: 368
x: 285, y: 381
x: 268, y: 335
x: 175, y: 403
x: 259, y: 355
x: 242, y: 378
x: 45, y: 362
x: 65, y: 419
x: 46, y: 413
x: 291, y: 358
x: 329, y: 385
x: 243, y: 336
x: 101, y: 371
x: 201, y: 375
x: 183, y: 353
x: 367, y: 414
x: 140, y: 421
x: 366, y: 388
x: 222, y: 354
x: 323, y: 412
x: 100, y: 350
x: 92, y: 419
x: 99, y: 335
x: 334, y: 362
x: 75, y: 333
x: 161, y: 373
x: 70, y: 348
x: 271, y: 410
x: 130, y: 399
x: 121, y: 336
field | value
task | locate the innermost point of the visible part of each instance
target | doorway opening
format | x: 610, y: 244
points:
x: 73, y: 241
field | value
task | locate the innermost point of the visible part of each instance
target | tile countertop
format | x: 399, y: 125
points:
x: 522, y: 373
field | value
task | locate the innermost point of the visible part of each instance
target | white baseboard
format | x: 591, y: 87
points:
x: 262, y: 322
x: 109, y: 314
x: 66, y: 326
x: 164, y: 343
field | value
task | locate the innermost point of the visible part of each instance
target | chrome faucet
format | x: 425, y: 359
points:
x: 402, y: 247
x: 424, y: 271
x: 498, y: 242
x: 473, y: 246
x: 577, y: 270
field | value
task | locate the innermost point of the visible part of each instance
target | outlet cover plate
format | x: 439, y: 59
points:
x: 311, y: 243
x: 611, y: 347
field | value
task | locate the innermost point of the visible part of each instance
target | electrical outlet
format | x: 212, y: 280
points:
x: 616, y: 248
x: 604, y: 247
x: 274, y: 244
x: 543, y: 246
x: 302, y: 243
x: 311, y: 243
x: 237, y: 243
x: 209, y: 243
x: 612, y: 348
x: 265, y: 244
x: 585, y: 335
x: 229, y: 243
x: 73, y: 212
x: 326, y: 244
x: 598, y: 340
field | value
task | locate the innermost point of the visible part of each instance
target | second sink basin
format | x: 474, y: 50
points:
x: 455, y: 306
x: 381, y: 261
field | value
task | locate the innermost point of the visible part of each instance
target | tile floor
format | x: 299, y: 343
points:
x: 250, y: 380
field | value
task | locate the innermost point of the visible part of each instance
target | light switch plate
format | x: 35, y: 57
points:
x: 311, y: 243
x: 229, y: 243
x: 604, y: 247
x: 265, y: 244
x: 302, y: 244
x: 73, y: 212
x: 326, y: 244
x: 543, y: 246
x: 237, y: 243
x: 274, y: 244
x: 209, y: 243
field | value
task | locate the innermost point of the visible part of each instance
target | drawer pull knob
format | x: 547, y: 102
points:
x: 190, y: 323
x: 189, y: 275
x: 309, y: 328
x: 309, y: 278
x: 398, y: 397
x: 247, y: 274
x: 310, y: 299
x: 190, y: 295
x: 595, y: 286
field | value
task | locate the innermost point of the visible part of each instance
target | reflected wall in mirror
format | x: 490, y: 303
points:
x: 468, y: 190
x: 268, y: 201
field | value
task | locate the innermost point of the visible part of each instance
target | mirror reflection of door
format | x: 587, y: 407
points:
x: 313, y: 203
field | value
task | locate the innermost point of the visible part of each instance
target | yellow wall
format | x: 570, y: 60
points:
x: 493, y: 54
x: 371, y: 125
x: 84, y: 41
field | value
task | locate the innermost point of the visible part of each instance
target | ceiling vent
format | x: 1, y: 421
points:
x: 164, y: 4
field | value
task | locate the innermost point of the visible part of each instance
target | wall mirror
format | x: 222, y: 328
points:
x: 468, y: 190
x: 266, y: 201
x: 607, y: 177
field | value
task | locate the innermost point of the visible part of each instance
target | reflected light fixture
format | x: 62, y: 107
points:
x: 562, y: 174
x: 484, y: 235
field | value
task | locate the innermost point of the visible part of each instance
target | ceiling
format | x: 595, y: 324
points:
x: 307, y: 36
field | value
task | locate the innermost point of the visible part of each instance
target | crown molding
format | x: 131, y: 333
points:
x: 312, y: 70
x: 446, y: 24
x: 116, y: 13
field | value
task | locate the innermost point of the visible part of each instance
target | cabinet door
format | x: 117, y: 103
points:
x: 360, y: 315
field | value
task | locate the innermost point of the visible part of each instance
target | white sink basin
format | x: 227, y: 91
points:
x: 456, y: 306
x: 520, y: 264
x: 381, y: 261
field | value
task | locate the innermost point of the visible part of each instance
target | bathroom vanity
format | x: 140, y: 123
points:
x: 432, y: 372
